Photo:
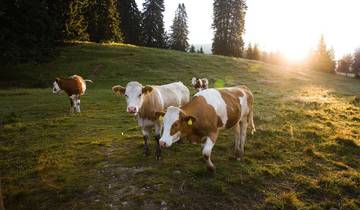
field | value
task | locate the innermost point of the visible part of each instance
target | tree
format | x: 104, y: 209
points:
x: 192, y: 49
x: 75, y: 25
x: 229, y: 27
x: 356, y: 64
x: 179, y: 30
x: 322, y: 58
x: 27, y: 31
x: 344, y: 63
x: 201, y: 50
x: 131, y: 21
x: 256, y: 53
x: 153, y: 31
x: 249, y: 52
x: 104, y: 21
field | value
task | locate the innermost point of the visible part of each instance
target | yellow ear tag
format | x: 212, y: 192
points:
x: 161, y: 118
x: 190, y: 122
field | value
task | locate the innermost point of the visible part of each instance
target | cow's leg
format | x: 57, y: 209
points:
x: 77, y: 103
x: 158, y: 129
x: 145, y: 133
x: 209, y: 144
x: 71, y: 105
x: 237, y: 141
x: 243, y: 128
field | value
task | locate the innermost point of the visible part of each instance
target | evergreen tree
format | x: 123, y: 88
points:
x: 27, y: 31
x: 153, y: 31
x: 229, y: 26
x: 192, y: 49
x: 249, y: 52
x: 356, y: 64
x: 201, y: 51
x: 75, y: 26
x: 103, y: 21
x: 131, y: 21
x: 179, y: 35
x: 256, y: 53
x: 322, y: 58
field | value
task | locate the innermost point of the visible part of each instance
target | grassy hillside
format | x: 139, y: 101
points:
x: 304, y: 155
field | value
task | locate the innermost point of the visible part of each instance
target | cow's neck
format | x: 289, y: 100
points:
x: 150, y: 106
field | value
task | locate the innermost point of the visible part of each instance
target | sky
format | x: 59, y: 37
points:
x: 292, y: 27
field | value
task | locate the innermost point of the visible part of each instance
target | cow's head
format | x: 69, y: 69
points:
x: 56, y: 86
x: 176, y: 124
x: 134, y: 94
x: 200, y: 84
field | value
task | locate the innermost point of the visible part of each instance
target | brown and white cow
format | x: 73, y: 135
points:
x: 209, y: 111
x: 74, y: 86
x: 200, y: 84
x: 145, y: 101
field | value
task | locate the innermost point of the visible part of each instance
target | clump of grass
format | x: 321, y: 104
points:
x: 284, y: 201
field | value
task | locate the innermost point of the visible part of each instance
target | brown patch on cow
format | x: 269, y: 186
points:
x: 118, y: 90
x: 151, y: 105
x: 233, y: 107
x: 205, y: 115
x: 72, y: 85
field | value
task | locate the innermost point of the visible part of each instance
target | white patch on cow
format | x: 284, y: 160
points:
x: 160, y: 98
x: 208, y: 147
x: 193, y: 81
x: 134, y: 96
x: 244, y: 106
x: 214, y: 99
x: 76, y: 102
x: 56, y: 88
x: 171, y: 116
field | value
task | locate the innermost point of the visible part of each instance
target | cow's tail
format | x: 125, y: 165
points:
x: 87, y: 80
x: 251, y: 121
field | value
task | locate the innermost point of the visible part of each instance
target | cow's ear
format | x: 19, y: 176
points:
x: 206, y: 81
x: 147, y: 89
x: 193, y: 81
x: 118, y: 90
x: 159, y: 114
x: 57, y: 79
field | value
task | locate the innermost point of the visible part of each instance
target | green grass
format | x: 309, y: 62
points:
x: 304, y: 155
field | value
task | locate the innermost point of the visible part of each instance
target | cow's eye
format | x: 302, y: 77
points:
x: 140, y: 95
x: 126, y: 95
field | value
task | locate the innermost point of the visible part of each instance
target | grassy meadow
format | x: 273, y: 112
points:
x: 304, y: 155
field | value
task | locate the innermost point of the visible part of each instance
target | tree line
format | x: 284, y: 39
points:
x: 31, y: 29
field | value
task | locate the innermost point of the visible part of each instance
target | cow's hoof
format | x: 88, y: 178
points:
x: 146, y: 152
x: 158, y: 156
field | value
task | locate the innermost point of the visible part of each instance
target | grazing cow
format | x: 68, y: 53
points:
x: 74, y: 87
x: 207, y: 112
x: 200, y: 84
x: 145, y: 101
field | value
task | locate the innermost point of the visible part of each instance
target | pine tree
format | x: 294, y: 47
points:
x: 256, y: 53
x: 322, y: 58
x: 104, y: 21
x: 192, y: 49
x: 201, y: 51
x: 153, y: 24
x: 229, y: 26
x: 249, y: 52
x: 75, y: 26
x: 131, y: 21
x: 179, y: 35
x: 356, y: 64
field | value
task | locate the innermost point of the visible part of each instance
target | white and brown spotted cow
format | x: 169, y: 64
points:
x: 200, y: 84
x: 145, y: 101
x: 74, y: 86
x: 207, y: 112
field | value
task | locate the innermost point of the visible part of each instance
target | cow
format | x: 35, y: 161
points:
x: 74, y: 86
x: 209, y: 111
x: 145, y: 101
x: 200, y: 84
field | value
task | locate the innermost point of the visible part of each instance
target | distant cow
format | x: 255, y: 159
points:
x: 207, y: 112
x: 145, y: 101
x: 200, y: 84
x: 74, y: 87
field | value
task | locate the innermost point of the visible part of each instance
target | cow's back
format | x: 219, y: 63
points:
x: 174, y: 94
